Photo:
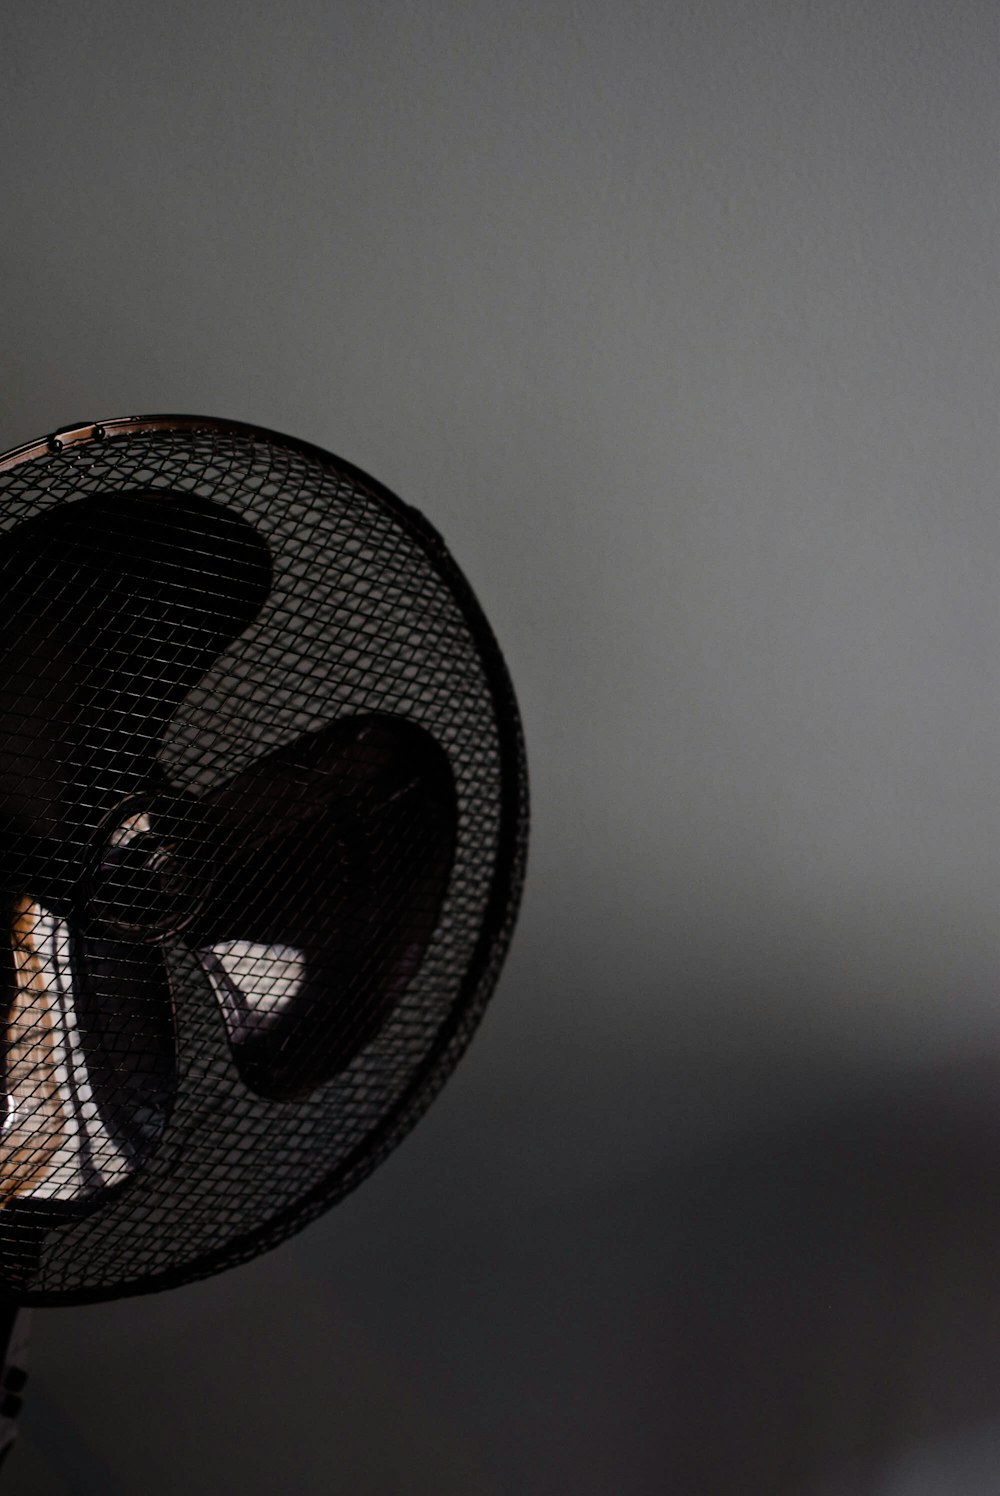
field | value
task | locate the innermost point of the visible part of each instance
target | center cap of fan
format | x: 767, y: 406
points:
x: 148, y: 882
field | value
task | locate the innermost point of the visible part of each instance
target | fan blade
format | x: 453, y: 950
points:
x: 336, y: 854
x: 89, y: 1066
x: 124, y: 1012
x: 112, y: 608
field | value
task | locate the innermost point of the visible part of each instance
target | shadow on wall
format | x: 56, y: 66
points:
x: 834, y: 1302
x: 813, y: 1310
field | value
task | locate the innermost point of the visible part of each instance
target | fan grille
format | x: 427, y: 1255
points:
x: 367, y: 613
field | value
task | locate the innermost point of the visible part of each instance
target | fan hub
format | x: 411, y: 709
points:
x: 147, y: 883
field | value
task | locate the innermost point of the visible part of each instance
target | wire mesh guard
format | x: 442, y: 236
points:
x: 262, y: 831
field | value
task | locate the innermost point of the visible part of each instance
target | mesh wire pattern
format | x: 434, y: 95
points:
x: 263, y: 824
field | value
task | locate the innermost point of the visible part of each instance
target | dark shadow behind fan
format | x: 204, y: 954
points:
x: 263, y: 817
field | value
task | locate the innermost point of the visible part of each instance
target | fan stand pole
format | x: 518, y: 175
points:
x: 15, y: 1324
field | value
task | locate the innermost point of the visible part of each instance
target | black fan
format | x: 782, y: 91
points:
x: 262, y: 832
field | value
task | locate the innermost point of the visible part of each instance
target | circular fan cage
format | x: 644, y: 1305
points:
x: 263, y: 811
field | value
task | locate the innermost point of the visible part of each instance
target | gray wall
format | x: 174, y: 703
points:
x: 681, y: 322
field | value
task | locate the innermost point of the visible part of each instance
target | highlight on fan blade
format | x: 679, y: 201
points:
x: 53, y: 1142
x: 254, y: 984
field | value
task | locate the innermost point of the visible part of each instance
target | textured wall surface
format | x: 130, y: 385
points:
x: 681, y: 322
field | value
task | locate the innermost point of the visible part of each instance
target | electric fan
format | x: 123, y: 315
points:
x: 263, y: 814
